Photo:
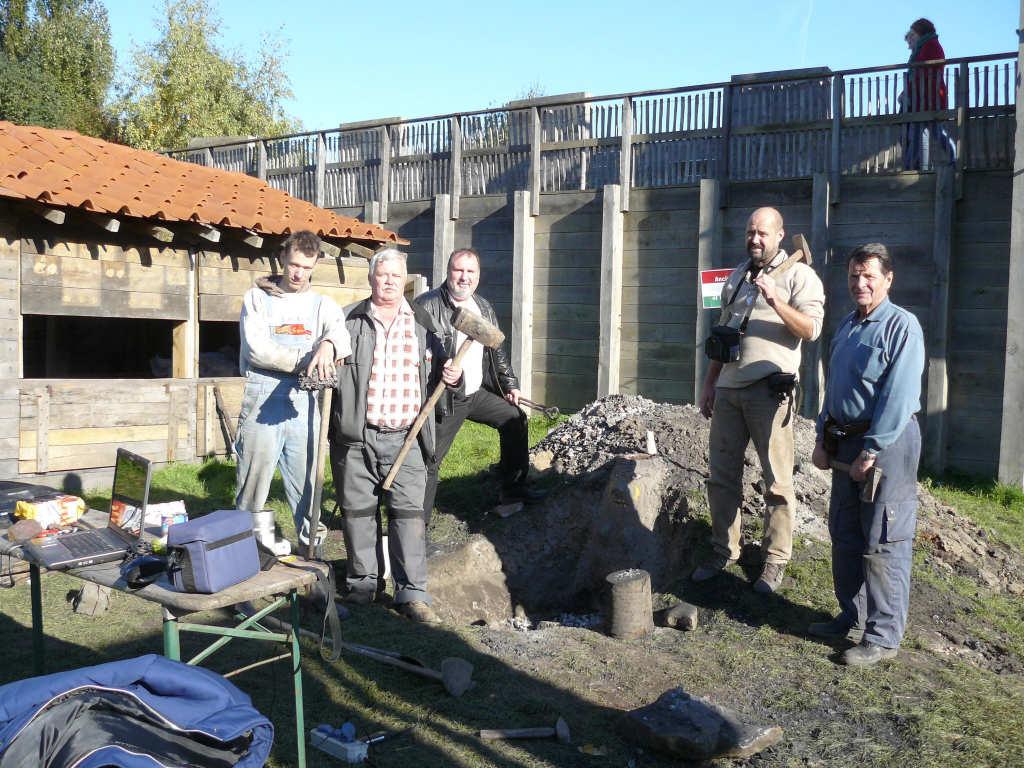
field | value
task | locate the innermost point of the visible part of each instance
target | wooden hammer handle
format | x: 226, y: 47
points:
x: 545, y: 732
x: 417, y: 425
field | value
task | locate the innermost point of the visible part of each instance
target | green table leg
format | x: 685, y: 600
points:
x: 35, y: 580
x: 172, y: 641
x: 300, y: 726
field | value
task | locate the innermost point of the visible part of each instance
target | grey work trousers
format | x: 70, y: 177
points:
x: 358, y: 472
x: 740, y: 415
x: 872, y: 544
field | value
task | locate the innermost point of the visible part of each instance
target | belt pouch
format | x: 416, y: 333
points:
x: 213, y: 552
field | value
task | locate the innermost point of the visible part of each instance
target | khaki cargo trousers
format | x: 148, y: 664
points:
x: 740, y: 415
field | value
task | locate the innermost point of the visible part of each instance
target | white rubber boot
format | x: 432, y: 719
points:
x: 263, y: 528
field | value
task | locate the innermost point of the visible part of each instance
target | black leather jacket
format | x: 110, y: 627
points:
x: 499, y: 377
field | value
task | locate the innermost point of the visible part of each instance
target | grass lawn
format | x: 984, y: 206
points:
x: 923, y: 711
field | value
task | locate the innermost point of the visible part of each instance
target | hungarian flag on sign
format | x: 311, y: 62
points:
x: 711, y: 283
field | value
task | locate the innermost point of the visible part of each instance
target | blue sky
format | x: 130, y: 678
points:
x: 357, y: 61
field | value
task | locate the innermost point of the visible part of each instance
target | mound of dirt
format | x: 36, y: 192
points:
x: 619, y: 506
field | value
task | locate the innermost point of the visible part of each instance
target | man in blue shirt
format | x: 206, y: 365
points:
x: 871, y: 396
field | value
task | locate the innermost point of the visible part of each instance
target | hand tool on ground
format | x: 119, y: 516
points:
x: 456, y: 674
x: 869, y: 486
x: 475, y: 328
x: 313, y: 383
x: 225, y: 422
x: 549, y: 411
x: 561, y: 731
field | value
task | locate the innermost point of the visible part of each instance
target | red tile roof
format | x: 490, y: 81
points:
x: 64, y: 168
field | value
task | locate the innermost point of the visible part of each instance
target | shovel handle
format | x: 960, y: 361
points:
x: 421, y: 419
x: 321, y: 456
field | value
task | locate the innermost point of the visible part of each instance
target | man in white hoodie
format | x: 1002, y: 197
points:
x: 286, y: 329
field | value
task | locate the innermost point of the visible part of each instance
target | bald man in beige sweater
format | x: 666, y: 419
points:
x: 774, y: 303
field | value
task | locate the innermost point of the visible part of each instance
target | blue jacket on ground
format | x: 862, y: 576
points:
x: 137, y: 713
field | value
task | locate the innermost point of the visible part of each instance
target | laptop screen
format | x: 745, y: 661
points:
x: 130, y: 494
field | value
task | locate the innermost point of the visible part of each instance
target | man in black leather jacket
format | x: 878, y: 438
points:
x: 492, y: 388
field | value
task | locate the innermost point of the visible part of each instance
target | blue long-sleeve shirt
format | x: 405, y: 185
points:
x: 874, y: 373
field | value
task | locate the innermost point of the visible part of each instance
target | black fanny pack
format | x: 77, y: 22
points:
x: 723, y: 344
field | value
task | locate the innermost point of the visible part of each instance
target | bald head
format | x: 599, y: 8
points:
x: 764, y: 235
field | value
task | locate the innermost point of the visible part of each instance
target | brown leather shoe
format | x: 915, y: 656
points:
x: 771, y: 578
x: 711, y: 568
x: 419, y: 612
x: 866, y: 654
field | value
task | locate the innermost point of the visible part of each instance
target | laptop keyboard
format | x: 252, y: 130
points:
x: 85, y: 543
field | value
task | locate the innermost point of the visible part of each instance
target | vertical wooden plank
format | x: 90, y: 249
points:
x: 535, y: 158
x: 961, y: 126
x: 211, y: 421
x: 455, y: 141
x: 172, y: 423
x: 934, y: 457
x: 43, y: 428
x: 1011, y: 441
x: 185, y: 336
x: 724, y: 169
x: 523, y: 244
x: 837, y: 128
x: 444, y: 238
x: 320, y: 180
x: 609, y: 349
x: 626, y: 153
x: 709, y: 256
x: 812, y: 374
x: 261, y: 159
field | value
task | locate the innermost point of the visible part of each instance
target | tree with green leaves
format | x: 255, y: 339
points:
x: 56, y: 64
x: 184, y: 86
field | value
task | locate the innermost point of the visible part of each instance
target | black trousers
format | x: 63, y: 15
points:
x: 483, y: 407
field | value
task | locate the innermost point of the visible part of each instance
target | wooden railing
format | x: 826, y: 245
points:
x: 780, y: 125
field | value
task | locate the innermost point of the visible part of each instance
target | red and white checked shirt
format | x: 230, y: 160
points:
x: 394, y: 395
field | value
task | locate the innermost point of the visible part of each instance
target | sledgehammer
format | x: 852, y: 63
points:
x: 869, y: 487
x: 560, y: 731
x: 476, y: 329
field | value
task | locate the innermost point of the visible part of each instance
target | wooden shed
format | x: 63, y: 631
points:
x: 121, y: 281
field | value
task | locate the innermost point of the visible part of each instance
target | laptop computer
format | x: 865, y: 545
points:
x: 128, y: 498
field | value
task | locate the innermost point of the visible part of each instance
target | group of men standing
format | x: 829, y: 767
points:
x: 390, y: 353
x: 387, y: 354
x: 770, y: 304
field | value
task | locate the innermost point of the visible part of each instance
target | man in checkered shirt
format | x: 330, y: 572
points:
x: 397, y: 359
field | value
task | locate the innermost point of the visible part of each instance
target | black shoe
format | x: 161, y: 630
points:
x: 836, y: 629
x: 359, y: 597
x: 866, y: 654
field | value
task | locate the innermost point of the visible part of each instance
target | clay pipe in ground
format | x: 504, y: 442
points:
x: 869, y: 487
x: 561, y: 731
x: 550, y: 411
x: 456, y: 674
x: 476, y: 329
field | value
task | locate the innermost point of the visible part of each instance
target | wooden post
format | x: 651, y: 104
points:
x: 522, y: 289
x: 384, y: 182
x: 211, y: 423
x: 630, y: 609
x: 1011, y: 441
x: 320, y: 183
x: 533, y: 182
x: 371, y: 212
x: 185, y: 336
x: 455, y: 140
x: 172, y: 422
x: 709, y: 255
x: 812, y: 375
x: 609, y: 349
x: 962, y: 96
x: 934, y: 457
x: 261, y: 159
x: 626, y: 151
x: 834, y: 165
x: 208, y: 157
x: 444, y: 238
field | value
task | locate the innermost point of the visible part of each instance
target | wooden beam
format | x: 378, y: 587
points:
x: 204, y: 231
x: 384, y: 182
x: 47, y: 212
x: 329, y: 249
x: 444, y: 238
x: 962, y: 95
x: 42, y: 428
x: 185, y: 335
x: 709, y: 256
x: 726, y: 170
x: 261, y: 159
x: 610, y: 344
x: 533, y: 180
x: 320, y: 180
x: 1011, y: 441
x: 812, y: 373
x: 935, y: 435
x: 626, y: 152
x: 360, y: 251
x: 158, y: 233
x: 455, y: 164
x: 523, y: 232
x: 835, y: 157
